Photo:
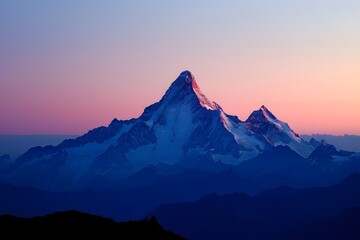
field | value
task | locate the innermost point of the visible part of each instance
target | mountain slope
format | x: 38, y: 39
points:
x: 277, y: 132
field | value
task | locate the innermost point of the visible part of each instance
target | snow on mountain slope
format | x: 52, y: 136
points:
x: 184, y: 125
x: 63, y: 167
x: 276, y: 132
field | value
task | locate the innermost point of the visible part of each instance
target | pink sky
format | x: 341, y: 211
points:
x: 65, y: 70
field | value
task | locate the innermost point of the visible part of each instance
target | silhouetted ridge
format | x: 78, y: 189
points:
x: 270, y: 215
x: 345, y: 225
x: 353, y: 179
x: 70, y: 222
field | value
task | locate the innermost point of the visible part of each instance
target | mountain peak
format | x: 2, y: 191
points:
x: 266, y: 112
x: 184, y: 90
x: 261, y: 115
x: 185, y: 84
x: 263, y: 122
x: 187, y: 76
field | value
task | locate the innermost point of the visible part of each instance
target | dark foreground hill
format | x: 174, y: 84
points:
x: 345, y: 225
x: 74, y: 222
x: 271, y: 214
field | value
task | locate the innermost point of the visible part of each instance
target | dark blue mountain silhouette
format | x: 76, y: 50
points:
x: 345, y: 225
x: 136, y: 195
x: 268, y: 215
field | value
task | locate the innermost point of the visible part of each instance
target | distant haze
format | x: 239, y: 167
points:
x: 346, y: 142
x: 15, y: 145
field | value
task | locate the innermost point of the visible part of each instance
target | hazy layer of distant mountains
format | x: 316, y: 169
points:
x: 15, y: 145
x: 345, y: 142
x: 280, y: 213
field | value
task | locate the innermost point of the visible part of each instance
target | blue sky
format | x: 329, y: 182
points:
x: 60, y: 60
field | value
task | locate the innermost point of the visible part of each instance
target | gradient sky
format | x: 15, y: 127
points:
x: 69, y: 66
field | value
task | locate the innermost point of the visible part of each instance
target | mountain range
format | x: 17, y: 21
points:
x: 184, y: 126
x: 331, y: 212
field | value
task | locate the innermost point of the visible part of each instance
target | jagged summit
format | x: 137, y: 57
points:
x: 261, y: 115
x: 183, y: 93
x: 186, y: 87
x: 277, y: 132
x: 187, y: 76
x: 267, y: 113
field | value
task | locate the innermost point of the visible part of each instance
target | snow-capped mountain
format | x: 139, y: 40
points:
x: 183, y: 126
x: 325, y: 153
x: 276, y: 132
